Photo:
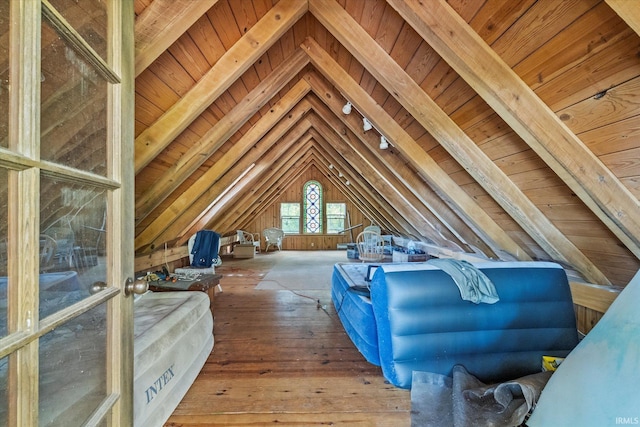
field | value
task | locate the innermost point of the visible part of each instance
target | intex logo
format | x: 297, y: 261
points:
x: 627, y: 420
x: 159, y: 384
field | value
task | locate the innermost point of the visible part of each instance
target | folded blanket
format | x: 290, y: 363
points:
x: 441, y: 401
x: 474, y: 285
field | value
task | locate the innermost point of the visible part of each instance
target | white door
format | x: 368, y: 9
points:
x: 66, y: 212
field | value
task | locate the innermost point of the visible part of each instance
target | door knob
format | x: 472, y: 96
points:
x: 97, y: 287
x: 139, y: 286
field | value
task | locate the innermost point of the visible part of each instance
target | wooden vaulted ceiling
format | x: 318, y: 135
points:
x: 514, y: 125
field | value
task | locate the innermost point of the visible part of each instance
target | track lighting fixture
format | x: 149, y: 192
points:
x: 347, y: 108
x: 347, y: 182
x: 383, y: 143
x: 366, y: 124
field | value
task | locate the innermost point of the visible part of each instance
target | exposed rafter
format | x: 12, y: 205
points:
x: 155, y: 33
x: 450, y: 136
x: 235, y: 61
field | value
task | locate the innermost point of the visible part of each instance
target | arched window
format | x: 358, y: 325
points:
x: 312, y: 202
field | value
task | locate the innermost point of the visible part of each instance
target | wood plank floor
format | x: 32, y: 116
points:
x: 280, y: 359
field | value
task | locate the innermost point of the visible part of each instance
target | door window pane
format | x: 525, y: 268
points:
x: 88, y: 18
x: 4, y: 73
x: 4, y: 219
x: 74, y: 107
x: 4, y: 402
x: 73, y: 370
x: 72, y: 242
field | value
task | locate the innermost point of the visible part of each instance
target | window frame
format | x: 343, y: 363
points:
x: 305, y: 208
x: 283, y: 217
x: 327, y: 217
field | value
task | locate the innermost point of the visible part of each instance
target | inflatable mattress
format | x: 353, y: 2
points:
x: 423, y: 324
x: 354, y: 308
x: 173, y: 337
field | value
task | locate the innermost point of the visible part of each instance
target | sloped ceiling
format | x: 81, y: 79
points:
x: 514, y: 125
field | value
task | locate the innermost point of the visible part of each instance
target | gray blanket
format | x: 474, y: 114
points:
x: 441, y: 401
x: 473, y: 284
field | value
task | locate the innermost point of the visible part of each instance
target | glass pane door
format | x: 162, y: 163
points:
x: 65, y: 128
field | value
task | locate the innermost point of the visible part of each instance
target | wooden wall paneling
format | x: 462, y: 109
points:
x: 229, y: 214
x: 366, y: 212
x: 250, y: 47
x: 161, y: 24
x: 586, y: 318
x: 267, y: 213
x: 445, y: 130
x: 615, y: 105
x: 438, y: 179
x: 595, y: 30
x: 265, y: 194
x: 218, y: 134
x: 607, y: 68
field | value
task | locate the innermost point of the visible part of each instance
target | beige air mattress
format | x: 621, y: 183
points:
x: 173, y: 338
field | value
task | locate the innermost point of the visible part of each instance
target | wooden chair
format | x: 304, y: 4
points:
x: 370, y: 246
x: 273, y: 237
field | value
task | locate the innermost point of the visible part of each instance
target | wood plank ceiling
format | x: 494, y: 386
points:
x: 514, y: 126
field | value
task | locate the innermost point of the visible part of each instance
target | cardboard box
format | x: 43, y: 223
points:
x: 244, y: 251
x: 404, y: 257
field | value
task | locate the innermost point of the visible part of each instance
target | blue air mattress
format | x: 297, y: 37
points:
x: 354, y: 308
x: 423, y: 324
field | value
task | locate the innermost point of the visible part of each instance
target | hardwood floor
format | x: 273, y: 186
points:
x: 280, y: 359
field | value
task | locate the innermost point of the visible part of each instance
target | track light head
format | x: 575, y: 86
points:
x: 366, y: 124
x: 383, y: 143
x: 347, y: 108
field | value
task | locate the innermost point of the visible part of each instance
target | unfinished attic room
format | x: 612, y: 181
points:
x: 319, y: 212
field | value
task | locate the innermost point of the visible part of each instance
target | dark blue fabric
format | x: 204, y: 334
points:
x: 205, y: 248
x: 424, y: 325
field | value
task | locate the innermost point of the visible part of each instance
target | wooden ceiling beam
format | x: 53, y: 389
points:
x: 396, y: 81
x: 473, y: 215
x: 467, y: 53
x: 254, y: 186
x: 372, y: 170
x: 266, y: 132
x: 162, y: 23
x: 244, y: 186
x: 359, y: 191
x: 361, y: 175
x: 629, y: 11
x: 185, y: 219
x: 455, y: 228
x: 353, y: 192
x: 215, y: 137
x: 251, y: 46
x: 270, y: 190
